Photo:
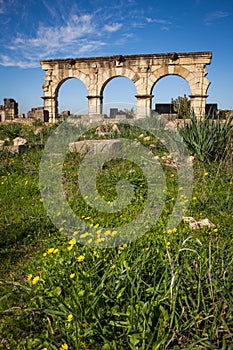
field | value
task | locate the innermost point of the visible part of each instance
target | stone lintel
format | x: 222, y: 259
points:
x: 171, y: 55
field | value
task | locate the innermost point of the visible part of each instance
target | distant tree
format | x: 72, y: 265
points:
x: 182, y: 106
x: 130, y: 112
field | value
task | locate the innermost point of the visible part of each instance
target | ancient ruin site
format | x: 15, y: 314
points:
x: 116, y: 175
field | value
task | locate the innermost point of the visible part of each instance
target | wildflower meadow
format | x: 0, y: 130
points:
x: 169, y: 288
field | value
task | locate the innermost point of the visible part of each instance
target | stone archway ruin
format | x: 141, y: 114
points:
x: 143, y: 70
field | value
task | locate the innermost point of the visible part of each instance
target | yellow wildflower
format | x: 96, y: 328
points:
x: 215, y: 230
x: 50, y: 250
x: 108, y: 233
x: 72, y: 275
x: 206, y: 173
x: 122, y: 247
x: 70, y: 247
x: 55, y: 251
x: 72, y: 242
x: 35, y: 280
x: 29, y: 277
x: 81, y: 258
x: 113, y: 266
x: 84, y: 235
x: 114, y: 233
x: 70, y: 318
x: 100, y: 240
x: 64, y: 347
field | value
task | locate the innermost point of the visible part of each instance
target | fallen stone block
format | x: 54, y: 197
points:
x: 95, y: 146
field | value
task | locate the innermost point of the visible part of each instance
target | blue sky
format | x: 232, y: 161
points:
x: 42, y: 29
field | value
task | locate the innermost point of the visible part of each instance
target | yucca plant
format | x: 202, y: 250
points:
x: 208, y: 138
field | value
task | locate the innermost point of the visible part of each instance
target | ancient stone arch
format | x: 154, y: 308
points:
x: 143, y: 70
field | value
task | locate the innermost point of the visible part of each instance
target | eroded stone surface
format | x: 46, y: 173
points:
x: 95, y: 146
x: 198, y: 224
x: 20, y: 141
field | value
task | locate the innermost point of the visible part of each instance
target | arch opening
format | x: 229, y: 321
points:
x: 71, y: 97
x: 119, y: 97
x: 165, y: 89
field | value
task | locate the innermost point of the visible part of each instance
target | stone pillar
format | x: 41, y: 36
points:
x: 144, y: 105
x: 95, y: 104
x: 50, y: 105
x: 198, y: 104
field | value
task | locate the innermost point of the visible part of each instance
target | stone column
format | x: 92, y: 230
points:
x: 95, y: 104
x: 198, y: 104
x: 143, y: 105
x: 50, y: 105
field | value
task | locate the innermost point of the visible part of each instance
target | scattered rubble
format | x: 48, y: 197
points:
x: 198, y: 224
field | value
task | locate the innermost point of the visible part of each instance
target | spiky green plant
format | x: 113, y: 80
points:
x: 207, y: 138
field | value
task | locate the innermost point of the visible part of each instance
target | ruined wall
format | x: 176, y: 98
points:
x: 9, y: 110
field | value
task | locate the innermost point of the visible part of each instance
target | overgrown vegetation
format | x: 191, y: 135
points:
x: 208, y: 138
x: 167, y: 290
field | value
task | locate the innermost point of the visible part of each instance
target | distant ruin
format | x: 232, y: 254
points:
x: 38, y: 113
x: 143, y: 70
x: 9, y: 110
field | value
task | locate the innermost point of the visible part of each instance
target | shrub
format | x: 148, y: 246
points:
x: 12, y: 130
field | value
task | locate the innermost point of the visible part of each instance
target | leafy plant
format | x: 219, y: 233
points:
x: 207, y: 138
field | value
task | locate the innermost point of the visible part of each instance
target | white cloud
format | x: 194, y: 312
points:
x: 211, y: 17
x: 112, y: 27
x: 9, y: 62
x: 73, y: 38
x: 157, y: 20
x: 69, y: 33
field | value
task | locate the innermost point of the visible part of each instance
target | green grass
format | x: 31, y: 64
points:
x: 166, y: 290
